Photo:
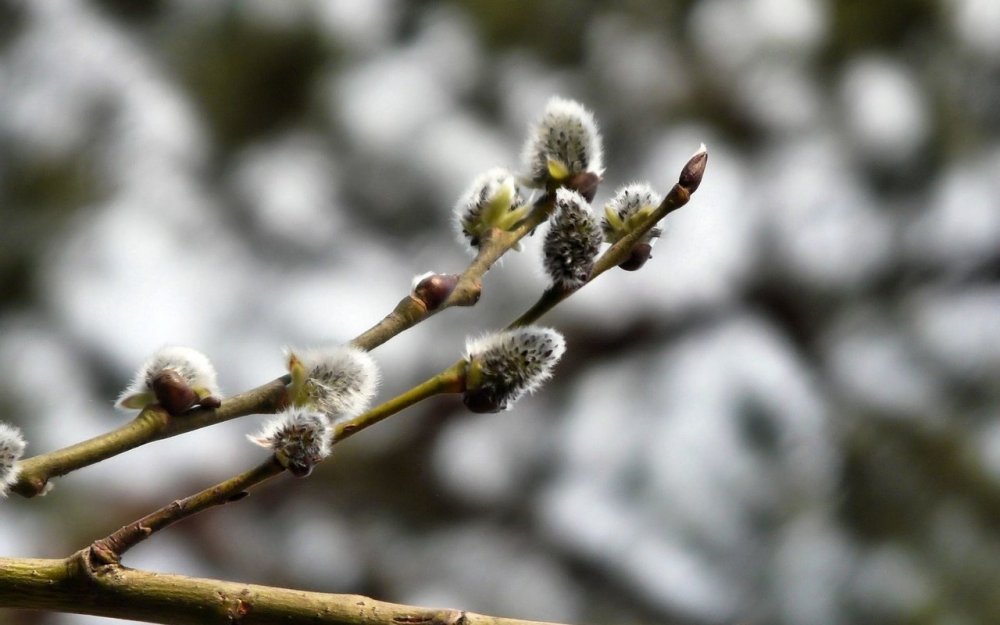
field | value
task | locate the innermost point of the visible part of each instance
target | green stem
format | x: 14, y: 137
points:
x: 451, y: 380
x: 548, y: 300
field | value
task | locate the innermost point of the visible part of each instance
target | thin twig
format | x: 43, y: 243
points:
x: 410, y: 310
x: 612, y: 257
x: 450, y: 380
x: 111, y: 548
x: 152, y: 424
x: 108, y: 550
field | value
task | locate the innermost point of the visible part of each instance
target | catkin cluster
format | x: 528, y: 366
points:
x: 562, y: 168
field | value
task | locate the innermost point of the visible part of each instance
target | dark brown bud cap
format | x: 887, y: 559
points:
x: 173, y: 392
x: 435, y: 289
x: 481, y: 401
x: 585, y: 183
x: 299, y: 469
x: 640, y: 253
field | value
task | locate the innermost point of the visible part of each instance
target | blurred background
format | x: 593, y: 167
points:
x: 790, y: 415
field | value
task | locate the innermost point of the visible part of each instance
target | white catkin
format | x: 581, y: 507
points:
x: 341, y: 380
x: 300, y: 438
x: 514, y: 362
x: 191, y: 365
x: 568, y: 134
x: 573, y: 240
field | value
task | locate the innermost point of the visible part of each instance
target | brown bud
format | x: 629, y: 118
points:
x: 173, y: 392
x: 435, y: 289
x: 693, y: 171
x: 480, y: 401
x: 640, y: 253
x: 585, y: 183
x: 299, y: 470
x: 211, y: 402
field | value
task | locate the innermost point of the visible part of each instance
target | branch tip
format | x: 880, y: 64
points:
x: 694, y: 170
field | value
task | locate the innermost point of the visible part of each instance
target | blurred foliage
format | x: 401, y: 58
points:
x: 860, y: 26
x: 550, y: 29
x: 249, y: 80
x: 40, y: 195
x: 11, y: 21
x: 133, y: 13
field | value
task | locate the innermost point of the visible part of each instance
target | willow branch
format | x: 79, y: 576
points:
x: 450, y: 380
x: 81, y: 586
x: 110, y: 549
x: 152, y: 424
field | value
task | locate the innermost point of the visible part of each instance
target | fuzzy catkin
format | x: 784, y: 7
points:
x: 507, y: 365
x: 300, y: 439
x: 11, y: 449
x: 567, y: 136
x: 572, y: 242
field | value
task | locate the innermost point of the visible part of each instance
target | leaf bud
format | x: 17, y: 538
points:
x: 434, y: 288
x: 628, y: 210
x: 493, y: 200
x: 178, y: 378
x: 337, y: 381
x: 694, y: 170
x: 563, y: 144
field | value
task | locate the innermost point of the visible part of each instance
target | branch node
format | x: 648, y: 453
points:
x: 237, y: 607
x: 437, y: 617
x: 100, y: 554
x: 469, y: 292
